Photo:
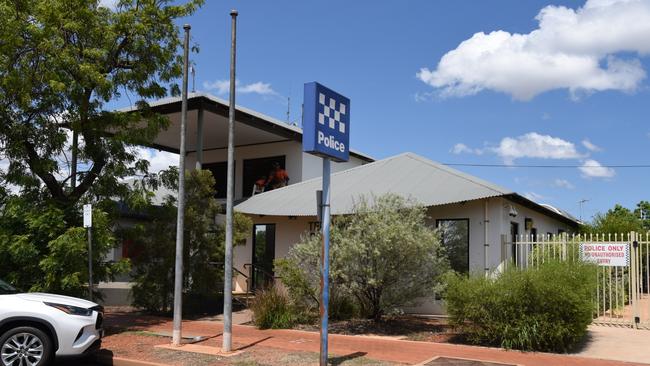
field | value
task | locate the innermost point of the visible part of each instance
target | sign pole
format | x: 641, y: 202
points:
x: 88, y: 223
x: 230, y: 191
x: 180, y: 216
x: 90, y: 263
x: 326, y: 133
x: 325, y: 260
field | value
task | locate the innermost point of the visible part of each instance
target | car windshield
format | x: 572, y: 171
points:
x: 6, y: 289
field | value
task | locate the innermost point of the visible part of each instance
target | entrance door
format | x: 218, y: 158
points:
x: 263, y: 255
x: 514, y: 232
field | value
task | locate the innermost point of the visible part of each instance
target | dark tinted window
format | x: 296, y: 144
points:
x: 260, y: 170
x: 455, y: 238
x: 6, y: 288
x: 220, y: 173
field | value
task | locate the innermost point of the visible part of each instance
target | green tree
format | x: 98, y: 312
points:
x: 154, y: 242
x: 643, y: 211
x: 61, y: 61
x: 616, y: 220
x: 39, y: 253
x: 384, y: 255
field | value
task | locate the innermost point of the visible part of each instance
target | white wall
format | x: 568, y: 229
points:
x: 288, y: 232
x: 292, y: 151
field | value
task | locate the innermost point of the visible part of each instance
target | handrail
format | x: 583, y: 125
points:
x: 233, y: 268
x: 264, y: 271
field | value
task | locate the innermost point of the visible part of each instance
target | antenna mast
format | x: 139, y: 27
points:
x: 193, y: 71
x: 289, y: 110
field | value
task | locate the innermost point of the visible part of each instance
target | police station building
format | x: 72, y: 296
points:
x: 473, y: 215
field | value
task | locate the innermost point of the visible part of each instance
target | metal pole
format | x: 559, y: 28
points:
x: 325, y: 265
x: 227, y: 286
x: 90, y: 263
x: 199, y: 139
x: 180, y: 217
x: 486, y: 245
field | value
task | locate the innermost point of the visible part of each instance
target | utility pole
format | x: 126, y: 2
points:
x: 227, y: 286
x: 581, y: 203
x: 180, y: 216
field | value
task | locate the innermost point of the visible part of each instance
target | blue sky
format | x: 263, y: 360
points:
x: 573, y: 92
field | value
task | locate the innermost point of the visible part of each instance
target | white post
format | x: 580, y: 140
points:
x: 180, y: 216
x: 227, y: 286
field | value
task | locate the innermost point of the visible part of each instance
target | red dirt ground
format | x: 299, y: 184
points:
x: 295, y: 347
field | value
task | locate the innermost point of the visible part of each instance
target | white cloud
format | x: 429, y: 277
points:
x: 219, y: 86
x: 222, y: 87
x: 461, y: 148
x: 563, y: 183
x: 591, y: 146
x: 257, y: 88
x: 535, y: 145
x: 574, y: 49
x: 593, y: 169
x: 158, y: 160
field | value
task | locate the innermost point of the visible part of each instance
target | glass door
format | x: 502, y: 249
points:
x: 263, y: 255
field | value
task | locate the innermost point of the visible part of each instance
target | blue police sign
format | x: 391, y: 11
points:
x: 326, y: 123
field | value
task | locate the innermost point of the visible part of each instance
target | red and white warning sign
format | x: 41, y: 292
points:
x: 606, y: 254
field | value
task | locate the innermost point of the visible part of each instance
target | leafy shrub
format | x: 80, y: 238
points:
x: 382, y: 257
x: 154, y: 242
x: 272, y: 309
x: 41, y: 249
x: 542, y: 309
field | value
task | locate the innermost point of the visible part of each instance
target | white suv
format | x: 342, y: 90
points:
x: 36, y: 327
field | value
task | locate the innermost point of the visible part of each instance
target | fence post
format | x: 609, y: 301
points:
x: 634, y: 280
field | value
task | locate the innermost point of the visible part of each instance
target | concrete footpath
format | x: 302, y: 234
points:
x: 377, y: 348
x: 616, y: 343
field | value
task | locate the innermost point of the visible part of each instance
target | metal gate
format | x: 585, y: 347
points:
x: 623, y: 280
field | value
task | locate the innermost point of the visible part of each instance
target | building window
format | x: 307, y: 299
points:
x: 454, y: 234
x: 264, y: 174
x: 220, y: 173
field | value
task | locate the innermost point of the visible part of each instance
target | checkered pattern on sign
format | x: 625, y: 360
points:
x: 331, y: 112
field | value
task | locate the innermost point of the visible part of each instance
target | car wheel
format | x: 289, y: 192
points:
x: 25, y: 346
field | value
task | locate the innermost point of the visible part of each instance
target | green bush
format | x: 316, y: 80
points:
x: 272, y: 309
x: 383, y: 257
x: 154, y: 241
x: 542, y: 309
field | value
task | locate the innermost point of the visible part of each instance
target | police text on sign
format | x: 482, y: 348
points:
x: 606, y: 254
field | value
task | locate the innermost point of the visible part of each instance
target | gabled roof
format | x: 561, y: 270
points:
x: 408, y: 175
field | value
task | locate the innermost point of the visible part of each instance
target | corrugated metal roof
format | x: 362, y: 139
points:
x: 407, y: 175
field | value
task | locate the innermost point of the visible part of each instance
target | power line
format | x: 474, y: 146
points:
x: 546, y: 166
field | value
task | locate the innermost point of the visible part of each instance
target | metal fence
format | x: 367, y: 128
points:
x: 623, y: 280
